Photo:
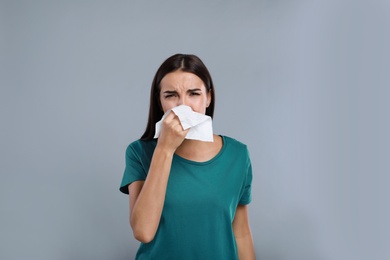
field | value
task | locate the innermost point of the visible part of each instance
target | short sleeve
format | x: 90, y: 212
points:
x: 246, y: 193
x: 134, y: 170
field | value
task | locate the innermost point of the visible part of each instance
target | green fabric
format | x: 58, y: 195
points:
x: 200, y: 202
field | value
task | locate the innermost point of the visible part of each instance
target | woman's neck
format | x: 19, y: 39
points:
x: 199, y: 151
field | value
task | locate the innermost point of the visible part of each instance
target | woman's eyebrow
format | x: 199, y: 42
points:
x: 170, y: 92
x: 194, y: 89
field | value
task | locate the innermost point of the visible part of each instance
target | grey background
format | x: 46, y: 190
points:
x: 304, y: 83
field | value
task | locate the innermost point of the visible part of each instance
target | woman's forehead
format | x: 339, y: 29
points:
x: 181, y: 80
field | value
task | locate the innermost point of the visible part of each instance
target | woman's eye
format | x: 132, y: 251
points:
x: 194, y: 94
x: 170, y: 96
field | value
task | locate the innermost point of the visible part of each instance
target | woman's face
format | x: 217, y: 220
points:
x: 184, y: 88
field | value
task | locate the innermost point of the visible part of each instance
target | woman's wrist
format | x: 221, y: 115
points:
x: 164, y: 151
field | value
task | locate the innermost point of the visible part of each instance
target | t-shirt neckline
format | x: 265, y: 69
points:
x: 178, y: 157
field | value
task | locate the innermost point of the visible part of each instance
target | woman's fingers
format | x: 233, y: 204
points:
x: 170, y: 116
x: 172, y: 132
x: 172, y: 120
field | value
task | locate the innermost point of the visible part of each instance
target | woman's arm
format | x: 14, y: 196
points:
x: 147, y: 197
x: 243, y: 234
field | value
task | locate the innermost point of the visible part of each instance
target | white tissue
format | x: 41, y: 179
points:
x: 200, y: 125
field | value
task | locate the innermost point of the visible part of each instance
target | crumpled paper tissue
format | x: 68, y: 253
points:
x: 200, y: 125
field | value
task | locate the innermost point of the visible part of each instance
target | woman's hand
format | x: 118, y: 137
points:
x: 172, y: 133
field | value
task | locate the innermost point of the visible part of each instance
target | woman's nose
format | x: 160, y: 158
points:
x: 182, y: 101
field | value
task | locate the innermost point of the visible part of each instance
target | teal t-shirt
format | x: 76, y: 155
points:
x: 200, y: 202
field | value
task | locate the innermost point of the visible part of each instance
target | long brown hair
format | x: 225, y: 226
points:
x: 184, y: 62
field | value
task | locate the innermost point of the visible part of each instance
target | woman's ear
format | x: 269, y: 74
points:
x: 208, y: 98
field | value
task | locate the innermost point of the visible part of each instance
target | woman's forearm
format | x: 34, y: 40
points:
x: 243, y: 234
x: 146, y: 212
x: 245, y: 247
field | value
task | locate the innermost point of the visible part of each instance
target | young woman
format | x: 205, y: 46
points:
x: 188, y: 198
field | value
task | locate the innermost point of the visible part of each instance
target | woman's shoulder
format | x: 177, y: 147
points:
x: 141, y: 146
x: 236, y: 149
x: 230, y: 141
